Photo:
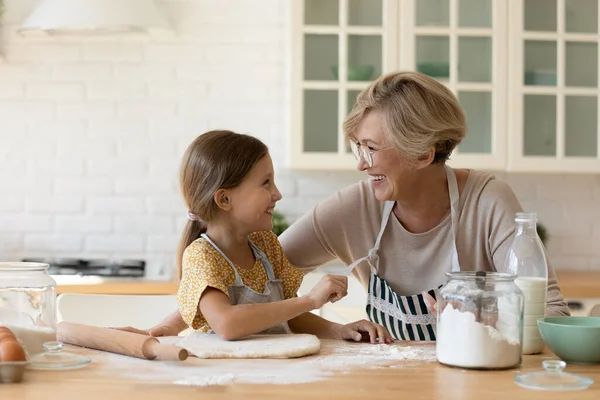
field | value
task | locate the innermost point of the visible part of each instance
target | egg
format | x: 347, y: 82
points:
x: 11, y: 350
x: 6, y: 333
x: 7, y: 337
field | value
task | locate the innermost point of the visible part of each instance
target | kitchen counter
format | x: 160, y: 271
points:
x: 100, y: 285
x: 410, y: 379
x: 581, y: 284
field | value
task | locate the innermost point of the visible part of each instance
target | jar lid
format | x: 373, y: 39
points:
x: 23, y: 266
x: 55, y: 359
x: 481, y: 276
x: 553, y: 378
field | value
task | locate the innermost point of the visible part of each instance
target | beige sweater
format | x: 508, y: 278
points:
x: 345, y: 226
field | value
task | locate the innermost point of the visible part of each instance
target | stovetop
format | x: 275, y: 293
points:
x: 93, y: 267
x: 582, y: 306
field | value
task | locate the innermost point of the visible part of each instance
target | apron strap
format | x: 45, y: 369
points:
x: 387, y: 211
x: 454, y: 202
x: 372, y: 257
x: 238, y: 279
x: 258, y: 253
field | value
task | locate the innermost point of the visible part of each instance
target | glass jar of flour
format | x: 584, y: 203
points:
x: 28, y: 303
x: 480, y: 321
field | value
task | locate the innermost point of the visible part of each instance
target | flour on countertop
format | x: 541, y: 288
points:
x: 334, y: 357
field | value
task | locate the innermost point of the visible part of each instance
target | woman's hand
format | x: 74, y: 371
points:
x: 330, y: 288
x: 430, y: 302
x: 488, y: 317
x: 362, y: 330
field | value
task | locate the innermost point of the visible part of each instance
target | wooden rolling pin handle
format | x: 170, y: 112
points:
x: 154, y: 350
x: 120, y: 342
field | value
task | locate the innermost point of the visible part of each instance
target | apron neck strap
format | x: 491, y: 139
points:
x: 238, y: 279
x: 258, y: 253
x: 372, y: 257
x: 454, y: 202
x: 387, y: 211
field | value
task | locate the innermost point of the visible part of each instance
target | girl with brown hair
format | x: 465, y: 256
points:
x: 235, y: 279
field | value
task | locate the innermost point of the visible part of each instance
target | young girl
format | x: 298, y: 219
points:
x: 235, y: 279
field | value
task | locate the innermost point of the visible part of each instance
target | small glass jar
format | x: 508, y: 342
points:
x: 28, y: 303
x: 480, y: 321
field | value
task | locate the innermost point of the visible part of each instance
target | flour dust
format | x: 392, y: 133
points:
x: 334, y: 357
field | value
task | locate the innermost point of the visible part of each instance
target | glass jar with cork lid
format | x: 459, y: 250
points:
x: 480, y: 321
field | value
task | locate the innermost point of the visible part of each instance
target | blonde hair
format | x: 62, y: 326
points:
x: 214, y: 160
x: 419, y: 114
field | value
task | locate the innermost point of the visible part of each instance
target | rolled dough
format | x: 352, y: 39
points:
x: 207, y: 345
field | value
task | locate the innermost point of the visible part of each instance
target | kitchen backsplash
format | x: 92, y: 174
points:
x: 92, y: 131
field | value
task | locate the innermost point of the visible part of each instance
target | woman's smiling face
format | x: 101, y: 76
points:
x: 391, y: 175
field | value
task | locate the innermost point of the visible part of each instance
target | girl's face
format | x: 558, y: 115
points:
x: 253, y: 201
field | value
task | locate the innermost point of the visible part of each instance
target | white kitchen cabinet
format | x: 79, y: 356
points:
x: 525, y: 71
x: 339, y: 47
x: 553, y: 92
x: 463, y: 44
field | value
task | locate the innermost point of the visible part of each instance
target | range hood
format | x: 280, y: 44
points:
x: 94, y: 17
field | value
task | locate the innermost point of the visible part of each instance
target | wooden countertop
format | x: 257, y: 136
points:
x: 413, y: 380
x: 572, y: 284
x: 116, y: 286
x: 579, y: 283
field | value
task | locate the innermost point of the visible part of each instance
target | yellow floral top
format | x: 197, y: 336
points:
x: 203, y: 266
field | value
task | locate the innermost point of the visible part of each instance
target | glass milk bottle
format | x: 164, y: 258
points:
x: 526, y: 258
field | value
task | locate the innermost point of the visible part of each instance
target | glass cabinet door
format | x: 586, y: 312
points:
x: 526, y: 73
x: 339, y: 46
x: 554, y: 115
x: 462, y: 43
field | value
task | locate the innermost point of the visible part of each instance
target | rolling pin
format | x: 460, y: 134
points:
x: 120, y: 342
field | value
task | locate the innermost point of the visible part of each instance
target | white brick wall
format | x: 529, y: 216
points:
x: 92, y: 131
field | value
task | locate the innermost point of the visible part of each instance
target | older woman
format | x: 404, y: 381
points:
x: 414, y: 219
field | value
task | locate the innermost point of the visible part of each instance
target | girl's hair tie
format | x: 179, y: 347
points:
x: 192, y: 216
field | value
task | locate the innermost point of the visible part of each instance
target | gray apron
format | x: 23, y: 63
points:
x: 242, y: 294
x: 406, y: 317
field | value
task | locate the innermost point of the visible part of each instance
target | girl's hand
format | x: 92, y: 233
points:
x: 330, y: 288
x: 363, y: 330
x: 158, y: 330
x: 172, y: 325
x: 131, y: 329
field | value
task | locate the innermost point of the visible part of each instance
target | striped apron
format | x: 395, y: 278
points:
x: 405, y: 317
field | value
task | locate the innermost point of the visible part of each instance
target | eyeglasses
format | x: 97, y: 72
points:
x: 360, y: 150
